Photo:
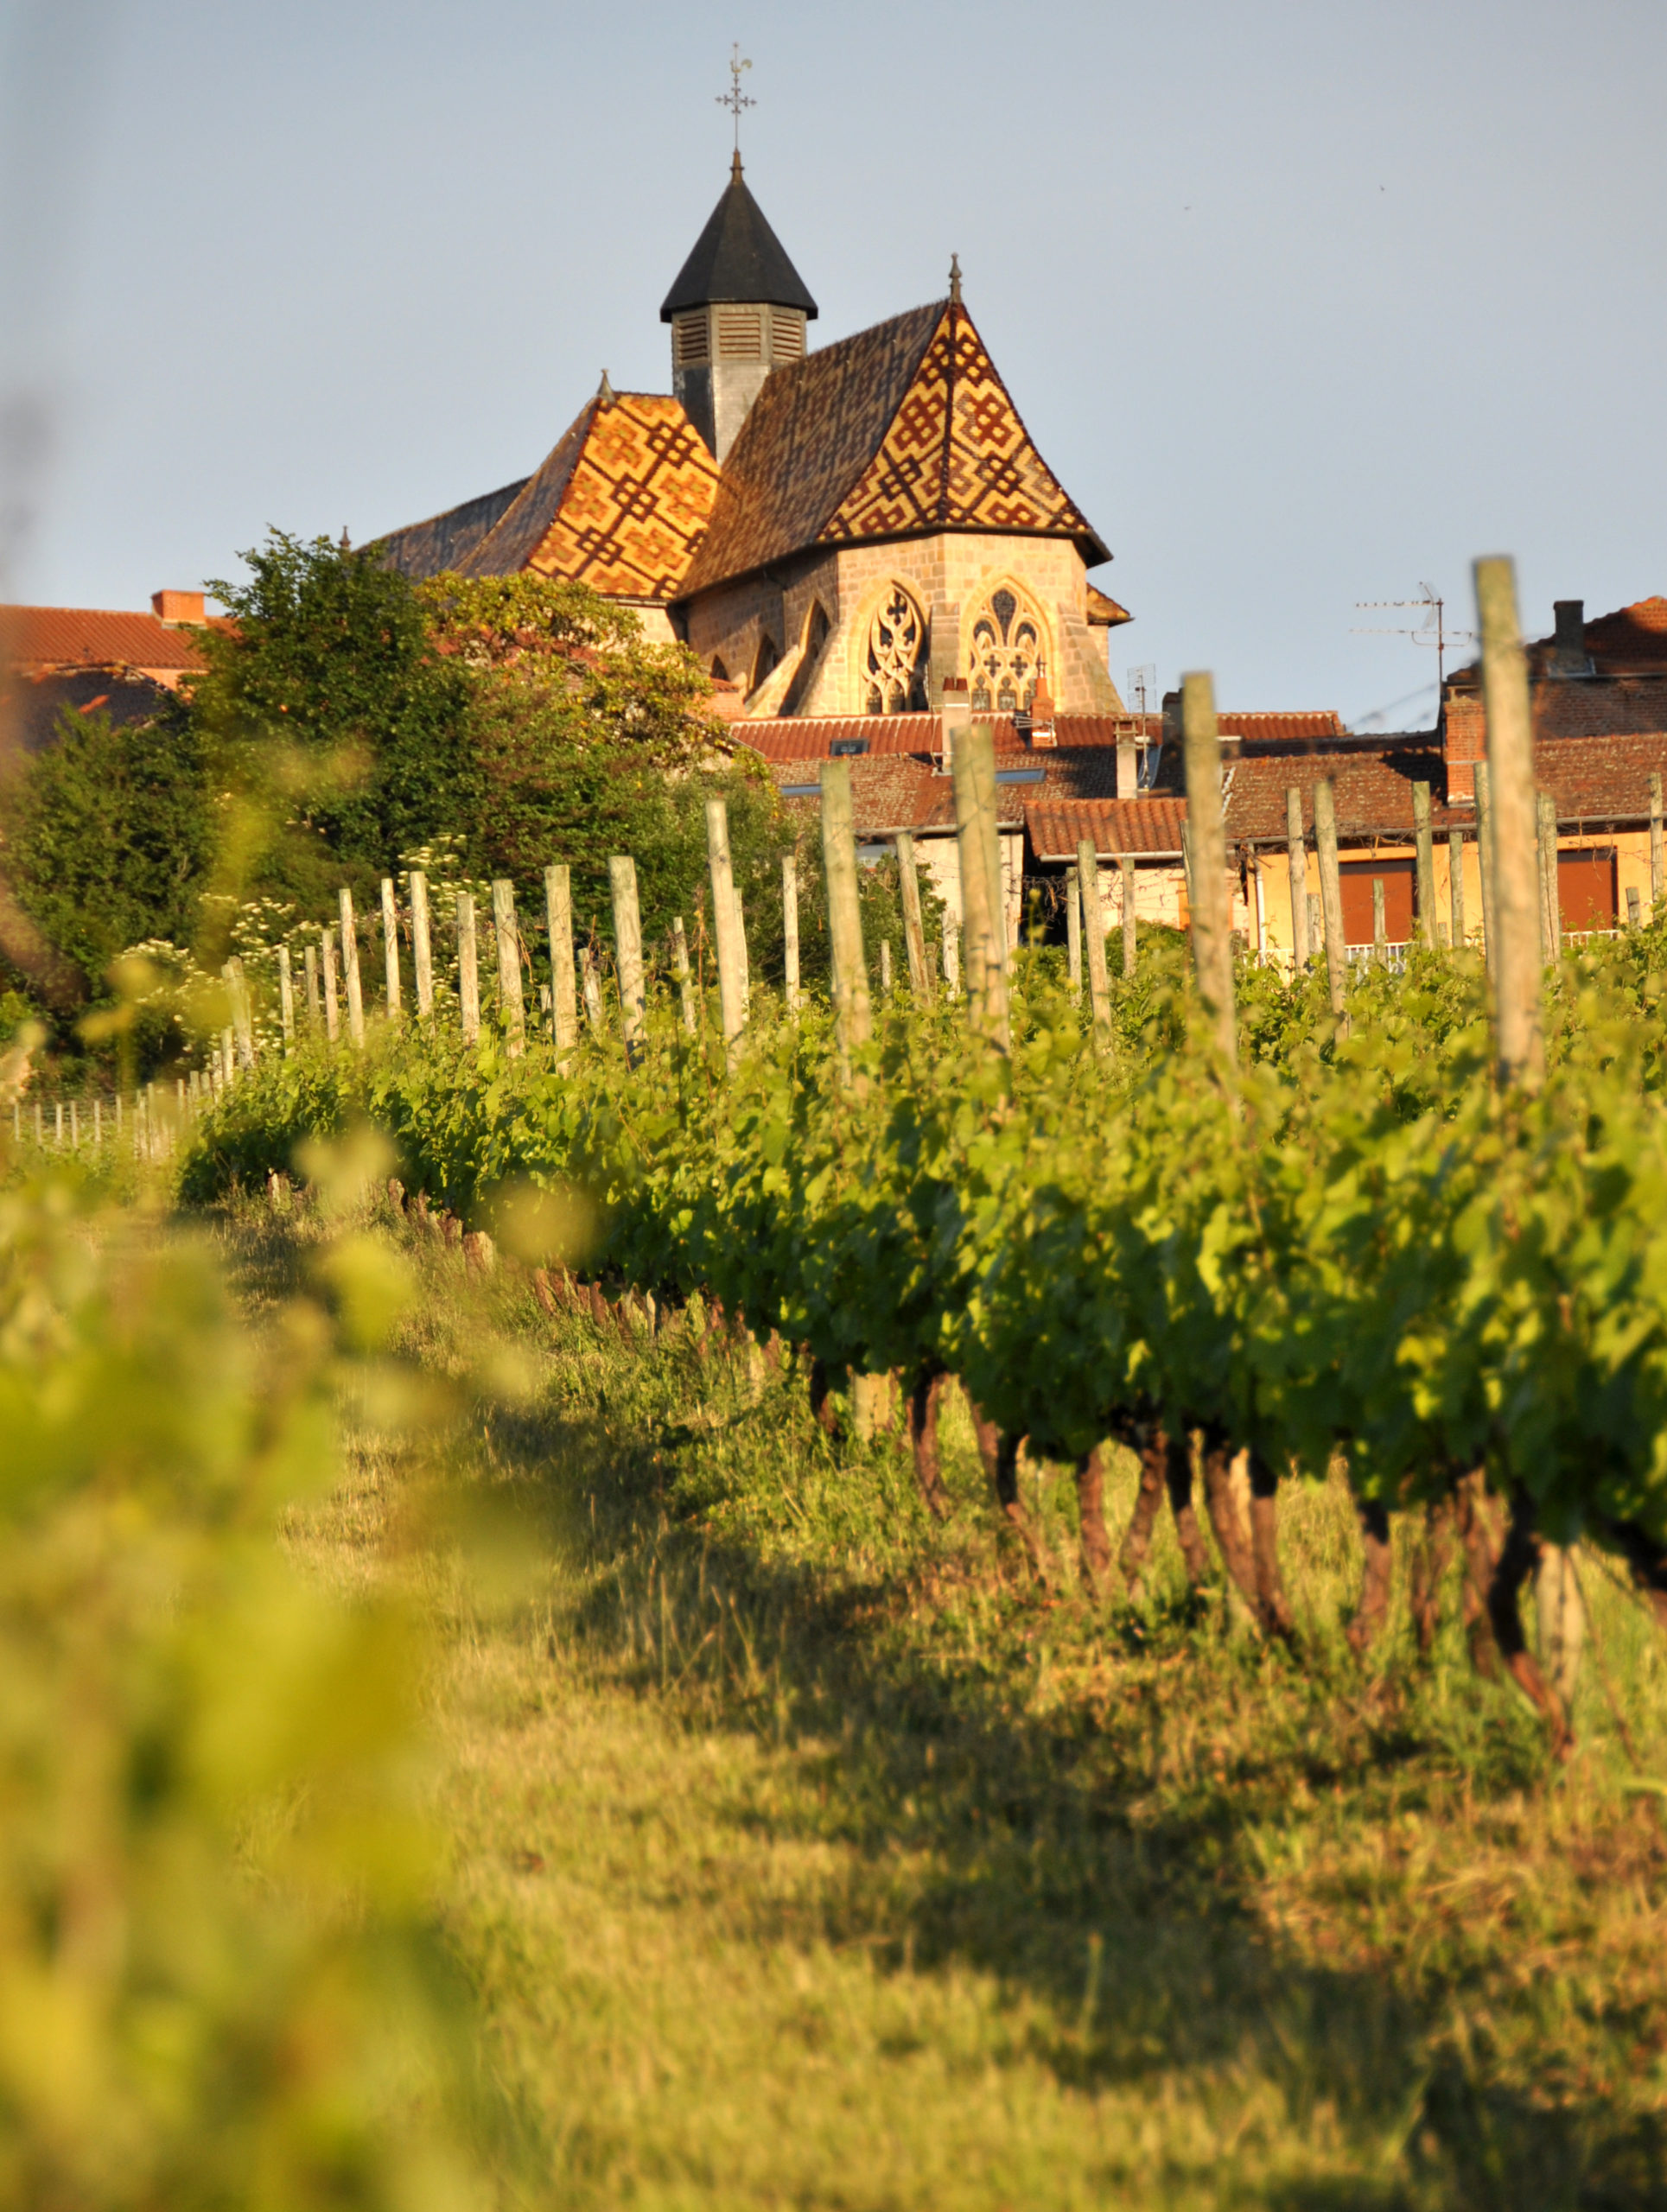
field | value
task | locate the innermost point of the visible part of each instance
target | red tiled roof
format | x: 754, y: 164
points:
x: 902, y: 790
x: 87, y: 637
x: 1631, y: 638
x: 1594, y: 780
x: 803, y: 737
x: 1150, y: 828
x: 1274, y: 725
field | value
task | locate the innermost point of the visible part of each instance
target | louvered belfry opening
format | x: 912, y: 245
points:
x: 737, y: 311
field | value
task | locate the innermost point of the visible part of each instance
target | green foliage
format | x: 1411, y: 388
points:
x: 108, y: 835
x: 331, y: 715
x: 219, y: 1980
x: 1362, y: 1247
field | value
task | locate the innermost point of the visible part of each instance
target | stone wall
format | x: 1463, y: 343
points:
x: 950, y: 577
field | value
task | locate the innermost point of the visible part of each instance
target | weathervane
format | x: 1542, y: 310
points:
x: 734, y: 99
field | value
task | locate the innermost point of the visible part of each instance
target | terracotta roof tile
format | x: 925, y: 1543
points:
x: 800, y: 737
x: 1148, y: 827
x: 84, y: 637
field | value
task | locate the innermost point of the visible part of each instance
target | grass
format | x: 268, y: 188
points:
x: 803, y: 1853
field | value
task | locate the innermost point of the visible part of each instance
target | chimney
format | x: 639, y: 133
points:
x: 1464, y: 742
x: 955, y: 715
x: 1128, y: 765
x: 1568, y: 654
x: 180, y: 607
x: 1043, y: 736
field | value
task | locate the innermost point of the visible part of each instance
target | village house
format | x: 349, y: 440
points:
x: 92, y: 659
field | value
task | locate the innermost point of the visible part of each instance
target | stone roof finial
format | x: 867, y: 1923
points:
x: 604, y: 392
x: 955, y: 280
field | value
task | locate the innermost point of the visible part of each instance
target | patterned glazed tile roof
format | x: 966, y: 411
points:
x: 619, y: 503
x: 903, y: 429
x: 1148, y: 827
x: 1103, y: 612
x: 902, y: 791
x: 445, y: 541
x: 737, y: 256
x: 90, y: 637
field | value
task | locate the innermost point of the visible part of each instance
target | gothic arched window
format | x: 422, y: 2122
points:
x: 1007, y: 657
x: 895, y: 666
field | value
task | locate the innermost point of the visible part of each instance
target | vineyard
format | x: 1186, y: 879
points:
x: 1351, y: 1247
x: 1021, y: 1578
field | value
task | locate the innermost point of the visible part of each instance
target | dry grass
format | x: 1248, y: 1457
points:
x: 805, y: 1855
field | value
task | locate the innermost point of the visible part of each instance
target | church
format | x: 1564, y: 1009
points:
x: 835, y: 531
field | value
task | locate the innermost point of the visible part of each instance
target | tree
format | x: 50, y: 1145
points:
x: 331, y: 715
x: 108, y: 836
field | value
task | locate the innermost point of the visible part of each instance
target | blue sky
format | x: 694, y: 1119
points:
x: 1306, y: 303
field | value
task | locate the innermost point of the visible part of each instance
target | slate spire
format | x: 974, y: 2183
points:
x: 738, y: 256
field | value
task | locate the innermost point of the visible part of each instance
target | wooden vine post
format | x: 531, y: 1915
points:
x: 512, y: 1007
x: 563, y: 982
x: 1073, y: 932
x: 592, y: 988
x: 1099, y: 990
x: 627, y: 946
x: 1514, y: 930
x: 852, y: 1011
x: 915, y: 927
x: 1379, y: 929
x: 1656, y: 885
x: 1545, y: 823
x: 315, y: 1001
x: 350, y: 968
x: 741, y: 953
x: 1296, y: 856
x: 1131, y: 921
x: 978, y: 843
x: 686, y: 981
x: 1484, y: 855
x: 332, y: 998
x: 1331, y: 901
x: 1212, y: 945
x: 1455, y: 886
x: 390, y: 947
x: 732, y: 1005
x: 421, y: 945
x: 468, y: 972
x: 1424, y: 846
x: 286, y: 1000
x: 789, y: 937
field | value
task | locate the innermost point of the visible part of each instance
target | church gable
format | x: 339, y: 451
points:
x: 957, y: 456
x: 620, y: 504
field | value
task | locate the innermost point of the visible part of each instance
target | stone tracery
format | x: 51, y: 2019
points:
x: 1006, y: 655
x: 895, y: 664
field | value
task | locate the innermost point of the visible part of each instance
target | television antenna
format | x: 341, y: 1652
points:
x: 1143, y: 688
x: 1432, y: 631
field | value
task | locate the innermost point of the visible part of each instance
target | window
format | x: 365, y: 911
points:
x: 720, y: 673
x: 844, y: 747
x: 691, y: 341
x: 764, y: 660
x: 810, y: 657
x: 739, y: 338
x: 1006, y: 659
x: 1021, y: 775
x: 895, y: 659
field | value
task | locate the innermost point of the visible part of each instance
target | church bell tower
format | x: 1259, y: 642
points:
x: 737, y: 310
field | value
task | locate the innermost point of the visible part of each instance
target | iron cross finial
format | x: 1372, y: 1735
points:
x: 734, y: 99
